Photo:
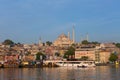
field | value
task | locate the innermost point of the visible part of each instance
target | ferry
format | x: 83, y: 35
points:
x: 79, y: 64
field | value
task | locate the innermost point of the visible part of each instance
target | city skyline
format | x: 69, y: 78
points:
x: 25, y: 21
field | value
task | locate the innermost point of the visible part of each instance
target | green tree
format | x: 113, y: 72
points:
x: 117, y: 45
x: 95, y: 42
x: 73, y: 45
x: 40, y: 56
x: 70, y: 52
x: 8, y: 42
x: 85, y: 42
x: 57, y: 54
x: 113, y: 57
x: 84, y: 58
x: 48, y: 43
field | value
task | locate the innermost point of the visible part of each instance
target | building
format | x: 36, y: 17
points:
x: 63, y: 41
x: 29, y: 57
x: 97, y: 55
x: 11, y: 58
x: 88, y: 52
x: 119, y: 58
x: 104, y: 56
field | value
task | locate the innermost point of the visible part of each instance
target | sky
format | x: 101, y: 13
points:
x: 26, y: 21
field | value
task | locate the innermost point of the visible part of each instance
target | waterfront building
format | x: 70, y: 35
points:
x: 88, y: 52
x: 8, y: 58
x: 96, y: 54
x: 118, y: 58
x: 1, y: 59
x: 104, y: 56
x: 29, y: 57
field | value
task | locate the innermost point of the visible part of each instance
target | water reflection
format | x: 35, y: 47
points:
x: 61, y: 73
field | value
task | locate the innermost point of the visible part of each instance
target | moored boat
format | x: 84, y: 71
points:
x: 79, y: 64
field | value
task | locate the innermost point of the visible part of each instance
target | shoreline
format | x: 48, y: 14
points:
x: 42, y: 66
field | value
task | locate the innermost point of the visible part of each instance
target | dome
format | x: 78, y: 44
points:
x: 62, y: 36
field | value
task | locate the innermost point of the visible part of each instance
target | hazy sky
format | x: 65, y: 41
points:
x: 26, y: 20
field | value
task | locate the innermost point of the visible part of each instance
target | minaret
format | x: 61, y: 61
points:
x: 40, y: 41
x: 73, y: 34
x: 68, y: 35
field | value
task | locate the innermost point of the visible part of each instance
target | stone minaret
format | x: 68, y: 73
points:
x: 73, y: 34
x: 68, y: 35
x: 40, y: 41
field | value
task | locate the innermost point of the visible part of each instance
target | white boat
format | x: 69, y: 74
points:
x: 81, y: 64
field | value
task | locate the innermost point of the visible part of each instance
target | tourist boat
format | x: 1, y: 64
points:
x: 79, y: 64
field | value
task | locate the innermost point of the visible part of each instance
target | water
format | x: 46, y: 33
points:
x: 61, y: 73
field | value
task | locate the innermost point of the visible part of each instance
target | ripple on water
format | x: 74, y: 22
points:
x: 61, y: 73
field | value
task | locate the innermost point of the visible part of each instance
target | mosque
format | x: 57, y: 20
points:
x: 64, y: 40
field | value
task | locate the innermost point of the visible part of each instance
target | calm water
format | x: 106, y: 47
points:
x: 61, y: 73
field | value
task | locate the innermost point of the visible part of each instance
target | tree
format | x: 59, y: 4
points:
x: 118, y: 45
x: 28, y: 53
x: 69, y: 53
x: 57, y: 54
x: 8, y: 42
x: 113, y: 57
x: 43, y: 44
x: 95, y: 42
x: 48, y: 43
x: 73, y: 45
x: 85, y: 42
x: 84, y: 58
x: 40, y: 56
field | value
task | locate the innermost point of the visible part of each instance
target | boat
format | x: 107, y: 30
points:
x: 85, y: 64
x: 79, y: 64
